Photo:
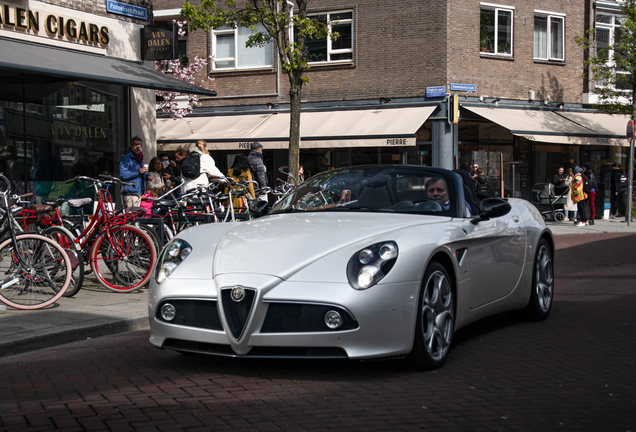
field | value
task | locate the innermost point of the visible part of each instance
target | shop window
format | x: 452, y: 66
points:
x: 607, y: 33
x: 549, y: 32
x: 495, y: 30
x: 230, y: 52
x: 326, y: 50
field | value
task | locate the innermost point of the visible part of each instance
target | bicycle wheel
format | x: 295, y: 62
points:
x: 67, y: 241
x: 34, y: 271
x: 151, y: 232
x: 123, y: 260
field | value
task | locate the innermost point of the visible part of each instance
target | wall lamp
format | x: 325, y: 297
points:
x: 496, y: 101
x: 271, y: 105
x: 384, y: 100
x: 547, y: 101
x: 530, y: 95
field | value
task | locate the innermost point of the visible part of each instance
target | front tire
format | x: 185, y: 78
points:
x: 542, y: 289
x: 435, y: 319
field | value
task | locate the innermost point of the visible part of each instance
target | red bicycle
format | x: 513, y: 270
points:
x: 120, y: 254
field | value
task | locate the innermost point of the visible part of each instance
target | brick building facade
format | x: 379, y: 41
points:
x: 525, y: 83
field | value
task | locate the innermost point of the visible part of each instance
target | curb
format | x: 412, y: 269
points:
x: 71, y: 335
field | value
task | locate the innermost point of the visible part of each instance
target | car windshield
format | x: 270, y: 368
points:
x: 398, y: 189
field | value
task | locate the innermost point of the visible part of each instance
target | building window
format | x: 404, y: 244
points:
x: 549, y: 37
x: 607, y: 33
x: 328, y: 51
x: 495, y: 30
x: 230, y: 52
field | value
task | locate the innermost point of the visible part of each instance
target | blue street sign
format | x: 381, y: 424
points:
x: 126, y: 10
x: 439, y: 91
x: 464, y: 87
x: 630, y: 131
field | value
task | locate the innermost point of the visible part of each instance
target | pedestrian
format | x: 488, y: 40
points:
x: 559, y: 178
x: 257, y: 167
x: 155, y: 177
x: 620, y: 181
x: 569, y: 206
x: 208, y: 168
x: 579, y: 196
x: 480, y: 182
x: 473, y: 173
x: 592, y: 195
x: 170, y: 171
x: 132, y: 170
x: 240, y: 172
x: 613, y: 195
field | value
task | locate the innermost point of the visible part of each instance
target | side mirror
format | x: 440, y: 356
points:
x: 492, y: 208
x: 260, y: 209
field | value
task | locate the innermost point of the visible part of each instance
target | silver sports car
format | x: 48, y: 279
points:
x: 361, y: 262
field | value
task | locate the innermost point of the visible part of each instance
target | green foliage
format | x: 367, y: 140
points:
x: 613, y: 89
x: 275, y: 17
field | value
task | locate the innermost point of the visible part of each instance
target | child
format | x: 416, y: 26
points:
x: 147, y: 203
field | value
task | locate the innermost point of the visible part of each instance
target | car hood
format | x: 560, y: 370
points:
x: 281, y: 245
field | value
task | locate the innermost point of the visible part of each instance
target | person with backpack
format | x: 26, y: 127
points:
x: 198, y: 166
x: 620, y: 180
x: 591, y: 178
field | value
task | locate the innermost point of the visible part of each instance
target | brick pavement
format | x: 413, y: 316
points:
x: 574, y: 371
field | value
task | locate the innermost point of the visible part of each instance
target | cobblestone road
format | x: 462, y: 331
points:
x: 574, y: 371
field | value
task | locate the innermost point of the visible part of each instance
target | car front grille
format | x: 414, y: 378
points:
x: 303, y: 318
x: 193, y: 313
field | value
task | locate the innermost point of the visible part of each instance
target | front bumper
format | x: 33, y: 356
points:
x: 285, y: 319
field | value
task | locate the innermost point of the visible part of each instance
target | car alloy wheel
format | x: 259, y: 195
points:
x: 436, y: 319
x: 542, y: 288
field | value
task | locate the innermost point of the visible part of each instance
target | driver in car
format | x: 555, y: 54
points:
x: 437, y: 190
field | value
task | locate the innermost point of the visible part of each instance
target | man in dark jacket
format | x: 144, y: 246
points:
x: 592, y: 195
x: 620, y: 181
x: 257, y: 167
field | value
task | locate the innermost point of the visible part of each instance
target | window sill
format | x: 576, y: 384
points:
x: 330, y: 66
x: 241, y: 72
x: 550, y: 62
x: 496, y: 57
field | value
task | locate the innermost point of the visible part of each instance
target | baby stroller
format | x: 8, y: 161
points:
x: 545, y: 197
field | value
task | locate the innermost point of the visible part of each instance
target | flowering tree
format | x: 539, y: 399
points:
x: 179, y: 69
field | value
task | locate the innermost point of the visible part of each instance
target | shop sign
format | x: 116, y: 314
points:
x: 396, y: 141
x: 126, y: 10
x: 68, y: 131
x: 159, y: 42
x: 55, y: 26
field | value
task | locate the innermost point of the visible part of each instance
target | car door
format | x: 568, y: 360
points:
x: 496, y: 253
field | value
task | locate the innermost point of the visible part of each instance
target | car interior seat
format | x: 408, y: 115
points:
x: 469, y: 191
x: 377, y: 193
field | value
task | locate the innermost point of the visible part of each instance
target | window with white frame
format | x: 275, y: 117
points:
x: 495, y: 29
x: 549, y: 36
x: 607, y: 33
x: 230, y: 52
x: 327, y: 50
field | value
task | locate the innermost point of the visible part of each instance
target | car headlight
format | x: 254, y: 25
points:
x: 173, y: 254
x: 368, y: 266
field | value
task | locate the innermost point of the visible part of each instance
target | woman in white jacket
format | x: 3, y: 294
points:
x: 208, y: 167
x: 569, y: 206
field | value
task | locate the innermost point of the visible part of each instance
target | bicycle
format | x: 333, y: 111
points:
x: 46, y: 219
x: 120, y: 254
x: 34, y: 270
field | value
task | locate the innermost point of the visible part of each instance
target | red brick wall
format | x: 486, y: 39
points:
x: 401, y: 47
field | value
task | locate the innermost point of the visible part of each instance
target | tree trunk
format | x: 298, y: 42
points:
x: 294, y: 127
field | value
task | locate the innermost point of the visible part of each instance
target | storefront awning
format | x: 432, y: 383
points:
x: 46, y: 65
x: 325, y: 129
x: 559, y: 127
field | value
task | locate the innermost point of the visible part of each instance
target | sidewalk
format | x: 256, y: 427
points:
x: 617, y: 225
x: 96, y: 311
